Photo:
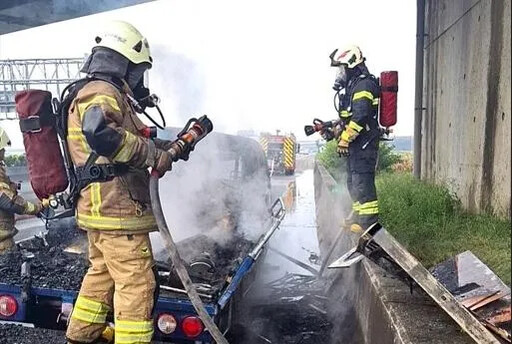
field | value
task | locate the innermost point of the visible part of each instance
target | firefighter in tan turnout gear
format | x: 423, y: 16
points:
x: 103, y: 130
x: 10, y: 202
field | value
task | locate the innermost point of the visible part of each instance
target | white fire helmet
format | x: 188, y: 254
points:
x: 350, y: 56
x: 125, y: 39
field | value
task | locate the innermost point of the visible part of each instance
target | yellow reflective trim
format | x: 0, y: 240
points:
x: 345, y: 113
x: 125, y: 153
x: 95, y: 199
x: 375, y: 101
x: 87, y: 317
x: 77, y: 135
x: 100, y: 100
x: 143, y: 338
x: 370, y: 211
x: 355, y: 206
x: 345, y: 136
x: 363, y: 94
x: 369, y: 204
x: 113, y: 223
x: 355, y: 126
x: 90, y: 311
x: 91, y: 304
x: 288, y: 143
x: 130, y: 326
x: 264, y: 144
x: 130, y: 332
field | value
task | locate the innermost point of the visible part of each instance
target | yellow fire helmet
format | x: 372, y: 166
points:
x: 350, y: 56
x: 4, y: 139
x: 125, y: 39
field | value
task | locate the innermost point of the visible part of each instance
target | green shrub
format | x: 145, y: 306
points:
x: 330, y: 159
x: 387, y: 157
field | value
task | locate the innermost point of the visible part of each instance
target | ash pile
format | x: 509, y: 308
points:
x: 209, y: 262
x: 51, y: 260
x: 290, y: 310
x: 16, y: 334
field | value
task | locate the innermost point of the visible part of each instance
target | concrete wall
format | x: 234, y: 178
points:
x: 370, y: 306
x: 466, y: 125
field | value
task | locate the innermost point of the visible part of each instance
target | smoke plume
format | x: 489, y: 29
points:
x: 222, y: 189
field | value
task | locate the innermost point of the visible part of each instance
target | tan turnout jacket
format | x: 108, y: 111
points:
x: 10, y: 203
x: 121, y: 205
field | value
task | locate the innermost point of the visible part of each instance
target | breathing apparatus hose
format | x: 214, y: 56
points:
x: 162, y: 118
x: 336, y: 101
x: 179, y: 265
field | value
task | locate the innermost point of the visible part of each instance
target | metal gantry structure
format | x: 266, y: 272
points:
x: 48, y: 74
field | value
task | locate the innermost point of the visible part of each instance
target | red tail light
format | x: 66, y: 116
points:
x: 192, y: 326
x: 8, y: 306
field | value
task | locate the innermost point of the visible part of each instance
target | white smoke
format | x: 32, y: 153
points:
x: 224, y: 184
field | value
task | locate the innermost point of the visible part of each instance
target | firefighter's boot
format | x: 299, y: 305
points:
x: 352, y: 217
x: 356, y: 228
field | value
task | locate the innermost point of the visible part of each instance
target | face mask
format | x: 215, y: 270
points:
x: 142, y: 95
x: 341, y: 78
x: 135, y: 75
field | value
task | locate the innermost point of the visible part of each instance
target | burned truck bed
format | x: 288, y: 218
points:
x: 210, y: 264
x: 45, y: 273
x: 58, y: 260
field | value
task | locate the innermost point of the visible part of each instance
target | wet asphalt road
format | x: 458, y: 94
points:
x: 297, y: 234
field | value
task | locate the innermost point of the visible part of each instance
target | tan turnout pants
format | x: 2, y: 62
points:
x: 121, y: 279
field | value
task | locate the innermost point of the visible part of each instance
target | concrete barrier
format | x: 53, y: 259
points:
x: 368, y: 305
x: 305, y: 162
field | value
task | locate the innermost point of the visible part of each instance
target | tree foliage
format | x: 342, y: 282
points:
x: 14, y: 160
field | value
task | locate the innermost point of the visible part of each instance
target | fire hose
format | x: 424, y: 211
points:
x: 194, y: 131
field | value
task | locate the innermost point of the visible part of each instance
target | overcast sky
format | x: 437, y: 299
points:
x: 259, y: 65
